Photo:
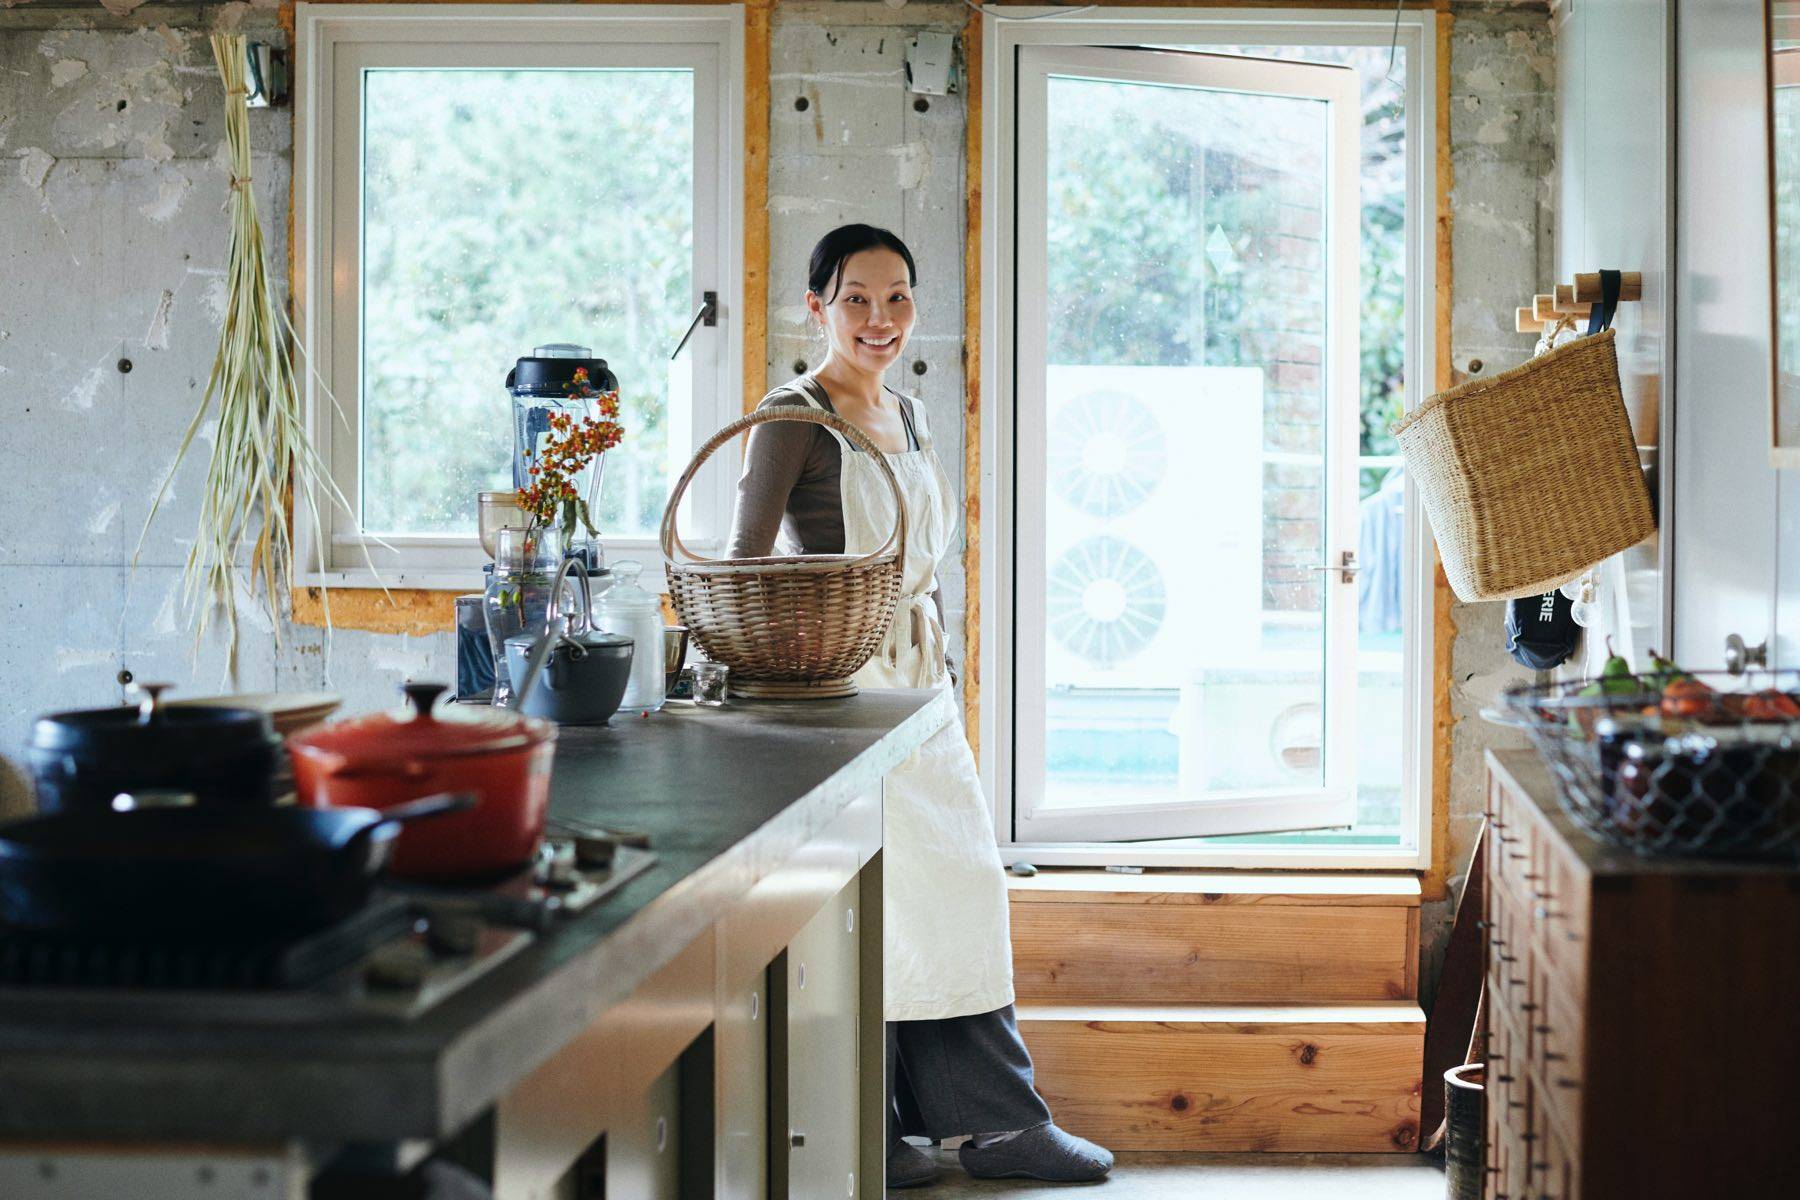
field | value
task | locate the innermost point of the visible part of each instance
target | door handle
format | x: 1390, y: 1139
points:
x: 1348, y: 567
x: 708, y: 316
x: 1740, y: 656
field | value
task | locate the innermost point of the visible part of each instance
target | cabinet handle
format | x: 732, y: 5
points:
x: 1568, y: 1083
x: 1496, y: 942
x: 1545, y: 913
x: 1549, y: 1057
x: 1502, y: 1078
x: 1541, y: 1028
x: 796, y: 1139
x: 1531, y: 877
x: 1528, y: 1006
x: 1507, y: 957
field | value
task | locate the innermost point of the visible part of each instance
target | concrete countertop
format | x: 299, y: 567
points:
x: 726, y: 796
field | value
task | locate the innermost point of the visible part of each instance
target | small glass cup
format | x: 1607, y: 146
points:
x: 709, y: 684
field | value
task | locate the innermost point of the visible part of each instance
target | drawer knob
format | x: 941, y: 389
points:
x: 1545, y: 913
x: 1528, y: 1006
x: 1541, y: 1028
x: 1568, y: 1083
x: 1551, y: 1057
x: 1502, y: 1078
x: 1515, y: 1104
x: 1508, y: 957
x: 1531, y: 877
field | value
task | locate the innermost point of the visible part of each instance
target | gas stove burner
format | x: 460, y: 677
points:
x: 33, y: 959
x: 570, y: 875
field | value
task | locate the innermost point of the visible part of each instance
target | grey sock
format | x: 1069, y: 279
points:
x: 1041, y: 1152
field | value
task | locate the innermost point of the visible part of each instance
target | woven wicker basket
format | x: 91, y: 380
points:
x: 787, y: 627
x: 1531, y: 477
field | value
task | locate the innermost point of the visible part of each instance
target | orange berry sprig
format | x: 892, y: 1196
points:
x: 570, y: 448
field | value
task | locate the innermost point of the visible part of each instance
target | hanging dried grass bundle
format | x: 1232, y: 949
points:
x: 261, y: 446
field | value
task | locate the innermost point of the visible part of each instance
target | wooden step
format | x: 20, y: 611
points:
x: 1092, y: 937
x: 1287, y: 1079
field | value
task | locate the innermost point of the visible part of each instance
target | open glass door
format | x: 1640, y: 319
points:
x: 1187, y: 493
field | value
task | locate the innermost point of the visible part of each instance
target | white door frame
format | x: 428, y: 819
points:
x: 999, y: 262
x: 1331, y: 801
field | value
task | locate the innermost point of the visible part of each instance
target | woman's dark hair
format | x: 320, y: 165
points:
x: 835, y: 249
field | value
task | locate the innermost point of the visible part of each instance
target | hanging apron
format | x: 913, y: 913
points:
x: 948, y: 950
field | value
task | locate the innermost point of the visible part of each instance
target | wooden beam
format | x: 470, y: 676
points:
x: 1443, y: 621
x: 756, y: 199
x: 971, y: 661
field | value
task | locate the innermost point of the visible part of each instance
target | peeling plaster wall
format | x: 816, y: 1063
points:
x: 861, y: 151
x: 112, y: 248
x: 1503, y: 156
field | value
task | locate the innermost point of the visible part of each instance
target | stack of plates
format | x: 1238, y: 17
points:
x: 289, y: 712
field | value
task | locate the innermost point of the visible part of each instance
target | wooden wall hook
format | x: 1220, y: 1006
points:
x: 1567, y: 304
x: 1587, y: 286
x: 1525, y: 322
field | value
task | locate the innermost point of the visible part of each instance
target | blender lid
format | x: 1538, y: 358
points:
x: 549, y: 370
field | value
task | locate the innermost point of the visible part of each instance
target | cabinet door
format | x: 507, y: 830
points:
x: 742, y: 1032
x: 816, y: 1130
x: 643, y: 1154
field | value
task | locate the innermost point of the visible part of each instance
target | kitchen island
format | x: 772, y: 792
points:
x: 676, y: 1016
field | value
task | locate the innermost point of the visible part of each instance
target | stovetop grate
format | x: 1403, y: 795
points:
x: 29, y: 959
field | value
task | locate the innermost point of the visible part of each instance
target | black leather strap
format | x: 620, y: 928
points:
x: 1601, y: 315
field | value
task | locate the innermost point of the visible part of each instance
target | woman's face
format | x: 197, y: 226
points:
x: 870, y: 316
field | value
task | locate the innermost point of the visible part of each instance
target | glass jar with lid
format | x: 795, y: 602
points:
x: 631, y: 610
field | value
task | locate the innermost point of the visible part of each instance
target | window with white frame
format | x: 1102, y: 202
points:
x: 474, y: 182
x: 1213, y: 273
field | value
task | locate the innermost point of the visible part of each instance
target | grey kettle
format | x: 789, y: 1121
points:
x: 569, y: 673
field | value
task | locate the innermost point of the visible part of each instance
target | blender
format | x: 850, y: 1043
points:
x: 516, y: 592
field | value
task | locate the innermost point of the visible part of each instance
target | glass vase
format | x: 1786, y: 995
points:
x: 517, y: 597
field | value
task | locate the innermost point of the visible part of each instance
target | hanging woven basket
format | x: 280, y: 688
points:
x: 795, y: 626
x: 1531, y: 477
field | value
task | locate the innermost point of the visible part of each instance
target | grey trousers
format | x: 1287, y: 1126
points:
x: 960, y: 1075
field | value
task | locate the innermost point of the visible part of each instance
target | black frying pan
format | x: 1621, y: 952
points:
x: 199, y: 874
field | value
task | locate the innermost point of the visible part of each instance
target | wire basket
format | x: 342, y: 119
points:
x: 1700, y: 763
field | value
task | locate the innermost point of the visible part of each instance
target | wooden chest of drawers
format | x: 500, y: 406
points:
x: 1643, y: 1038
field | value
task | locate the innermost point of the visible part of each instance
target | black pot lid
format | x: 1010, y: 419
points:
x: 171, y: 729
x: 549, y: 370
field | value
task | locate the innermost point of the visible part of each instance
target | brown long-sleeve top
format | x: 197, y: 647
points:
x: 790, y: 498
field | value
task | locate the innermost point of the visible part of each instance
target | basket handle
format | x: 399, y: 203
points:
x: 671, y: 538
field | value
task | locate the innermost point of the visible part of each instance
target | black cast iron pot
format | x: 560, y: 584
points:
x: 82, y: 760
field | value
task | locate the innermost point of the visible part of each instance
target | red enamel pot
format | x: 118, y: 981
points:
x: 382, y: 760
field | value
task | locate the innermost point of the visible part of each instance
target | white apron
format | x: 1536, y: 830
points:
x: 947, y: 946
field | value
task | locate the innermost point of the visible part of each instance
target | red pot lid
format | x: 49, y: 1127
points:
x: 420, y: 733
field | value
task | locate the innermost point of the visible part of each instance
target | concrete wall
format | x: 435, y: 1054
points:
x: 112, y: 237
x: 112, y: 246
x: 1503, y: 154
